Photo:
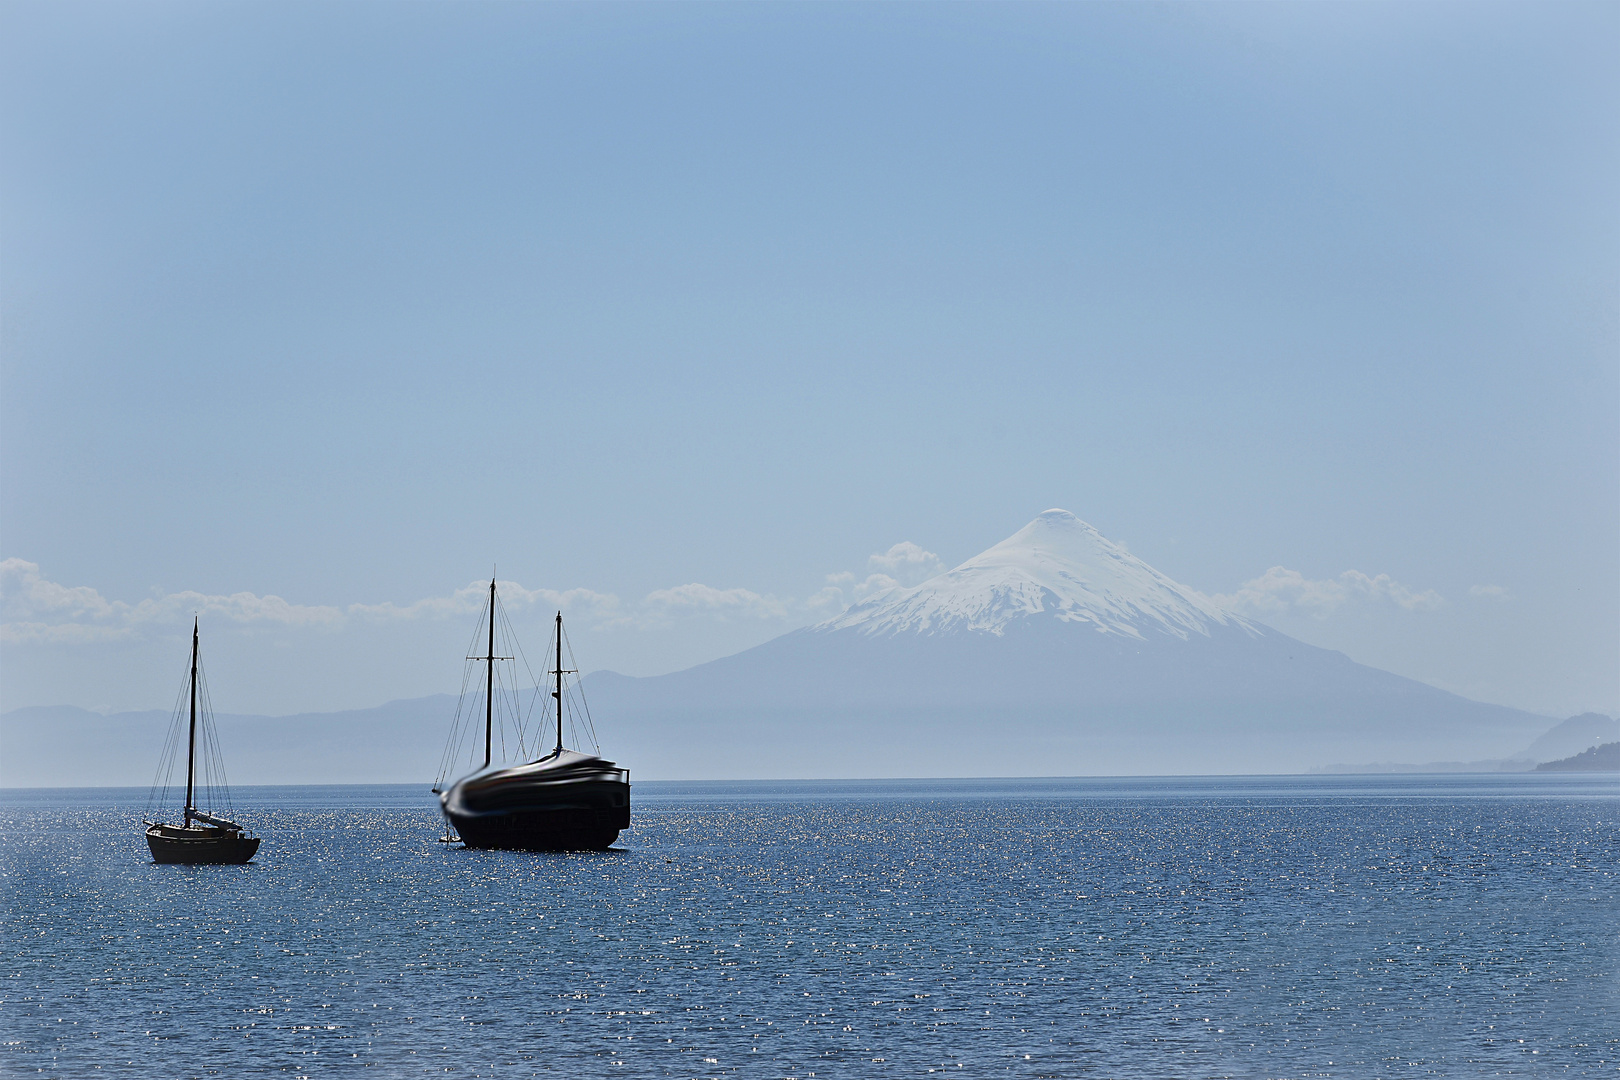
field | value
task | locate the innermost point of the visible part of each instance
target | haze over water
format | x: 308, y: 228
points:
x: 1283, y: 926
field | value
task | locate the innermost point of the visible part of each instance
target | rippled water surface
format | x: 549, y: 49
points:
x: 1299, y: 927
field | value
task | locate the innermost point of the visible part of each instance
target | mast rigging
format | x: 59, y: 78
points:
x: 191, y: 742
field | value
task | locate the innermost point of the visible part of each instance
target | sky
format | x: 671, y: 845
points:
x: 689, y: 319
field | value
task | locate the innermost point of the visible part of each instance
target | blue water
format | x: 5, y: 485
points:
x: 1454, y: 926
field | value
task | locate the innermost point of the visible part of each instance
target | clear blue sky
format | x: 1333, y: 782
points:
x: 343, y: 303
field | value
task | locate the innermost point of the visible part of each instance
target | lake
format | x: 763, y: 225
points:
x: 1354, y: 926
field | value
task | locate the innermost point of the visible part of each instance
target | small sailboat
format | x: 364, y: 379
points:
x: 564, y: 801
x: 201, y: 836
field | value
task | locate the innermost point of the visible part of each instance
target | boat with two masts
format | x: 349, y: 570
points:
x: 564, y: 801
x: 204, y: 834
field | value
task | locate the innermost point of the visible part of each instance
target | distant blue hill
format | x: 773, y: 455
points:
x: 1604, y: 758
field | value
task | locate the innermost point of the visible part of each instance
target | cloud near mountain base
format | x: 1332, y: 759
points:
x: 903, y: 565
x: 1281, y: 591
x: 705, y: 599
x: 36, y: 610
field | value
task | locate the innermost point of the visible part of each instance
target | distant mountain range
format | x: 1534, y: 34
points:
x: 1055, y: 652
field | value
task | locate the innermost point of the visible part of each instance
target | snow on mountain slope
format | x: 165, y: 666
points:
x: 1057, y: 564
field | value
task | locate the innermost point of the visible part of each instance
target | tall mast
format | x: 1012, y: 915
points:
x: 558, y: 694
x: 489, y: 681
x: 191, y: 747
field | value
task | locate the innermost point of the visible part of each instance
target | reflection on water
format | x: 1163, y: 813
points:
x: 1270, y: 926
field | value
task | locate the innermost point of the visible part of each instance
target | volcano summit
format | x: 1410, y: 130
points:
x: 1057, y: 566
x: 1055, y: 652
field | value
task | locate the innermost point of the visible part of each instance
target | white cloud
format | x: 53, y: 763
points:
x: 874, y: 585
x: 1493, y: 592
x: 829, y: 600
x: 907, y: 562
x: 832, y: 599
x: 1281, y: 591
x: 36, y: 609
x: 470, y: 600
x: 705, y: 599
x: 903, y: 565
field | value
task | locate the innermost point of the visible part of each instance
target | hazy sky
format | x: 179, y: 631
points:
x: 318, y: 311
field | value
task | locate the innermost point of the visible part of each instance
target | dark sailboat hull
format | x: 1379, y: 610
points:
x: 573, y: 829
x: 171, y: 844
x: 580, y: 806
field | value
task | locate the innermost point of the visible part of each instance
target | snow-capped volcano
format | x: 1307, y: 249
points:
x: 1057, y: 564
x: 1054, y: 652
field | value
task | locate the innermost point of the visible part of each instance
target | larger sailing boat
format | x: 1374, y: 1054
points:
x: 564, y: 801
x: 201, y: 836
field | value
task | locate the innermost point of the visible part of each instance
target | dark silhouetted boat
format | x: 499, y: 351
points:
x: 564, y: 801
x: 201, y: 836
